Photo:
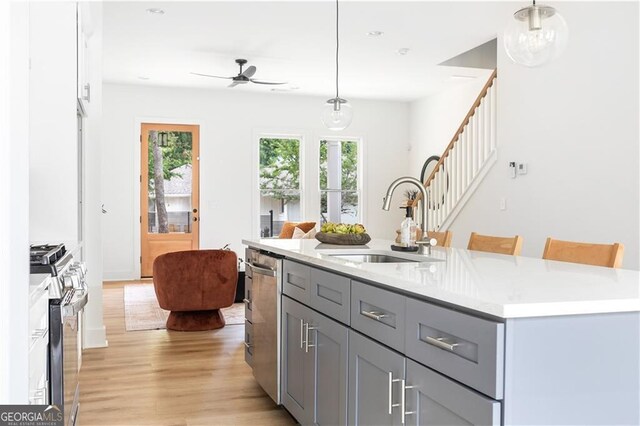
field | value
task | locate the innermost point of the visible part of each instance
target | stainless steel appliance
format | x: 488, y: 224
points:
x: 264, y: 271
x: 68, y: 294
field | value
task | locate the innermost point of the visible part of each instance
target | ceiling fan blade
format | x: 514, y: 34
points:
x: 267, y: 82
x: 208, y: 75
x: 249, y: 71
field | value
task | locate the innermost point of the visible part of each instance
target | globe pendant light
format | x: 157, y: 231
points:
x: 337, y: 113
x: 536, y: 35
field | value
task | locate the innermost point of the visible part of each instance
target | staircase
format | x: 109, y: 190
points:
x: 465, y: 162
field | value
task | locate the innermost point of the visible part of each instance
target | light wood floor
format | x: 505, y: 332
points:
x: 161, y: 377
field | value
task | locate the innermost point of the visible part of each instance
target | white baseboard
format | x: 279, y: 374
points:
x: 95, y: 337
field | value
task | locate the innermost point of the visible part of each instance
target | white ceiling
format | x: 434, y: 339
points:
x: 295, y: 42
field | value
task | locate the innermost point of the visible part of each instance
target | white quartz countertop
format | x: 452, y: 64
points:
x: 497, y: 285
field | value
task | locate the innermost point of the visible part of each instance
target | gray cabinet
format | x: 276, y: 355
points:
x: 379, y: 314
x: 330, y: 294
x: 434, y: 400
x: 375, y: 379
x: 296, y: 281
x: 466, y: 348
x: 315, y: 363
x: 297, y: 369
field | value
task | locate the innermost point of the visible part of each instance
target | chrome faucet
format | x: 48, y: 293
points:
x: 425, y: 241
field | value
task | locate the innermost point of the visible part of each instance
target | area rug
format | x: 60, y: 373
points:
x: 142, y: 312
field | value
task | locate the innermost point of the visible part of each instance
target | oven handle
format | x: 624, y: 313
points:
x: 76, y: 305
x: 261, y: 271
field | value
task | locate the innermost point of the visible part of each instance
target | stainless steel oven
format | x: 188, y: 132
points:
x: 68, y: 294
x: 264, y: 270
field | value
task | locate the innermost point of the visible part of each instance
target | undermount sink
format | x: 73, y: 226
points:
x: 372, y: 258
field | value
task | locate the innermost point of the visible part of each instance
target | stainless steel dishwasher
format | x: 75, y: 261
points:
x: 264, y: 301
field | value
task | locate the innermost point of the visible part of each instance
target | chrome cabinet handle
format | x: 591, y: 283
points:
x: 441, y: 343
x: 248, y: 303
x: 247, y: 345
x: 374, y: 315
x: 404, y: 401
x: 306, y: 337
x: 391, y: 382
x: 301, y: 333
x: 261, y: 271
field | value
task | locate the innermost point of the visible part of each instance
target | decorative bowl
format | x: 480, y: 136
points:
x: 343, y: 239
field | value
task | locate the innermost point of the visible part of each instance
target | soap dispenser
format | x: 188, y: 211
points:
x: 408, y: 230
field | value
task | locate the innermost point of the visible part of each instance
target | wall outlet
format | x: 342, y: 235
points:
x: 522, y: 168
x: 503, y: 203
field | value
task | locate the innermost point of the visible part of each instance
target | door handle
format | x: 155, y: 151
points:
x: 391, y: 382
x: 403, y: 400
x: 306, y: 337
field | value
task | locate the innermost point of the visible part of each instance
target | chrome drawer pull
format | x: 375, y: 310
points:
x: 247, y: 345
x: 441, y: 343
x: 248, y: 303
x: 301, y: 334
x: 374, y: 315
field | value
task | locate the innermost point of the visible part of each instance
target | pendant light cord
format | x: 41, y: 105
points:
x: 337, y: 47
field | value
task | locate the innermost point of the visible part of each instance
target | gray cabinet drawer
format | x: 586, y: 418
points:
x: 296, y: 279
x: 378, y: 314
x: 248, y: 343
x: 464, y: 347
x: 433, y: 399
x: 330, y: 294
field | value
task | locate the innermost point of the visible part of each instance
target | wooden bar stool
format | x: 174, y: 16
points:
x: 443, y: 238
x: 589, y: 254
x: 490, y: 244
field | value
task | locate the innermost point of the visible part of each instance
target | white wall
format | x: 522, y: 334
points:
x: 53, y: 170
x: 94, y: 330
x: 434, y: 120
x: 231, y: 121
x: 14, y: 202
x: 575, y: 122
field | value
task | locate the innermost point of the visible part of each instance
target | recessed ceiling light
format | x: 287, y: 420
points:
x: 155, y: 11
x: 143, y: 77
x: 375, y: 33
x: 403, y: 51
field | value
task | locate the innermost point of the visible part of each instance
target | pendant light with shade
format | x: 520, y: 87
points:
x: 536, y: 35
x: 337, y: 113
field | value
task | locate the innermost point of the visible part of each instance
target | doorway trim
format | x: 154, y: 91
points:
x: 135, y: 146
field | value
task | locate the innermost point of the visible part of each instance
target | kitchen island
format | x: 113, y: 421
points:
x: 457, y: 337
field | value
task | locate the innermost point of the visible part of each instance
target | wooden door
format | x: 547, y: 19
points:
x: 169, y: 210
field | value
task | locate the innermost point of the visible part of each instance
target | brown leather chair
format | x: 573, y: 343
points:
x: 194, y: 285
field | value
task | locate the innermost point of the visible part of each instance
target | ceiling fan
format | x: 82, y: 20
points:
x: 243, y: 77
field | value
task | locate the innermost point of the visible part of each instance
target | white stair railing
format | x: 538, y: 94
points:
x: 465, y: 161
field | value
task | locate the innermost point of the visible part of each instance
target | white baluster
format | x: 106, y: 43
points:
x: 448, y: 187
x: 481, y: 128
x: 493, y: 115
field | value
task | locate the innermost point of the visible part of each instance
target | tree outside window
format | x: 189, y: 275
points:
x: 279, y: 184
x: 339, y: 188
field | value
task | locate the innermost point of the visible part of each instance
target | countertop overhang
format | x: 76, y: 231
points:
x: 496, y: 285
